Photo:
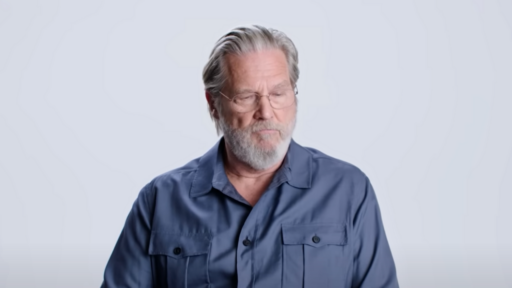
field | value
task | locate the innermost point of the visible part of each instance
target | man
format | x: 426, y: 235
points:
x: 257, y: 210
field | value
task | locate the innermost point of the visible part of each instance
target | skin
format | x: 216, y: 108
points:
x: 260, y: 72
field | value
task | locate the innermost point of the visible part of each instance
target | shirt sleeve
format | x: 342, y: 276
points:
x: 373, y: 263
x: 130, y: 265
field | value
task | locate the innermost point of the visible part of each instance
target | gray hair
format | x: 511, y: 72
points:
x: 240, y: 41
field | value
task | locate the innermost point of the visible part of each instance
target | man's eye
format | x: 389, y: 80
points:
x: 278, y: 94
x: 246, y: 97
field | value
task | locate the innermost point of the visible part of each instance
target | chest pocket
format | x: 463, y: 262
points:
x: 315, y: 255
x: 180, y: 260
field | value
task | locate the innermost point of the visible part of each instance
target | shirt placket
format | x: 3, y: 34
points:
x: 245, y: 252
x: 248, y: 238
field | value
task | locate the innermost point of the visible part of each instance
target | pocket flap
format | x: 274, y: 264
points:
x: 314, y: 234
x: 178, y: 245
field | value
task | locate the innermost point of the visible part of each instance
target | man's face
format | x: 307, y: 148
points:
x: 259, y: 137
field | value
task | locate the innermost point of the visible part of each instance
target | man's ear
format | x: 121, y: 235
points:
x: 213, y: 111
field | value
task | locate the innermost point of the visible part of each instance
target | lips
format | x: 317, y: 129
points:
x: 258, y: 128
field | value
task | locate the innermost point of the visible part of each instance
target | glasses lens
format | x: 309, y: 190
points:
x: 245, y: 102
x: 278, y: 100
x: 282, y: 99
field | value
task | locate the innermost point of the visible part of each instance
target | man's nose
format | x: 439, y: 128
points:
x: 264, y: 109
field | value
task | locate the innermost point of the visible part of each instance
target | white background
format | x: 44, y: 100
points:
x: 98, y: 97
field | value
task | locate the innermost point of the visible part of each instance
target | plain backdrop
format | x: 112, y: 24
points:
x: 97, y: 97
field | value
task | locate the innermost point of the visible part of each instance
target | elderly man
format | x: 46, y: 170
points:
x: 258, y: 209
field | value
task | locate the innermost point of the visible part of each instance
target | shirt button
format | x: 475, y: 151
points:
x: 316, y: 239
x: 177, y: 251
x: 246, y: 242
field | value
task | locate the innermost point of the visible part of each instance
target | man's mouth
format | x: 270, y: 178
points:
x: 267, y: 131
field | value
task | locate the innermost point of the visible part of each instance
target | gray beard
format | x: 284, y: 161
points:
x: 247, y: 151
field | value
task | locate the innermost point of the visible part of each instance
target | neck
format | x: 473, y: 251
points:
x: 241, y: 169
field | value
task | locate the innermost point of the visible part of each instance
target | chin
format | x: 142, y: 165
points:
x: 267, y: 147
x: 268, y: 143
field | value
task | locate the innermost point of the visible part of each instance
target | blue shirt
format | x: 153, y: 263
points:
x: 317, y: 225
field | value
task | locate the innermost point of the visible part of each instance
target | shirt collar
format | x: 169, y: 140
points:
x: 210, y: 171
x: 298, y: 162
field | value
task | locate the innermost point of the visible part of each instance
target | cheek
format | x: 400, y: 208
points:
x: 286, y: 116
x: 243, y: 120
x: 237, y: 120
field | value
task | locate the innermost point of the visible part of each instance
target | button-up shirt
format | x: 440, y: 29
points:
x: 317, y: 225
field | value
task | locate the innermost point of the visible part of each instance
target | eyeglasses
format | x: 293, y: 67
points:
x: 248, y: 101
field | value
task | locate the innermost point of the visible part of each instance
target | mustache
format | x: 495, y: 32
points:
x: 264, y: 125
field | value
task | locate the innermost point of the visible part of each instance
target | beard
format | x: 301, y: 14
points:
x: 259, y: 154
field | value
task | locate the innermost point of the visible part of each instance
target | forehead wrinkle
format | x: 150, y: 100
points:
x: 241, y: 73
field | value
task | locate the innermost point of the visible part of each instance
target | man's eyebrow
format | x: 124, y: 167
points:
x: 245, y: 90
x: 281, y: 85
x: 249, y: 90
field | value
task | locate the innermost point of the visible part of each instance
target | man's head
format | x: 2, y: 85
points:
x: 247, y: 65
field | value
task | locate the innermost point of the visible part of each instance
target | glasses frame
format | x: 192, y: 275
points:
x: 295, y: 92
